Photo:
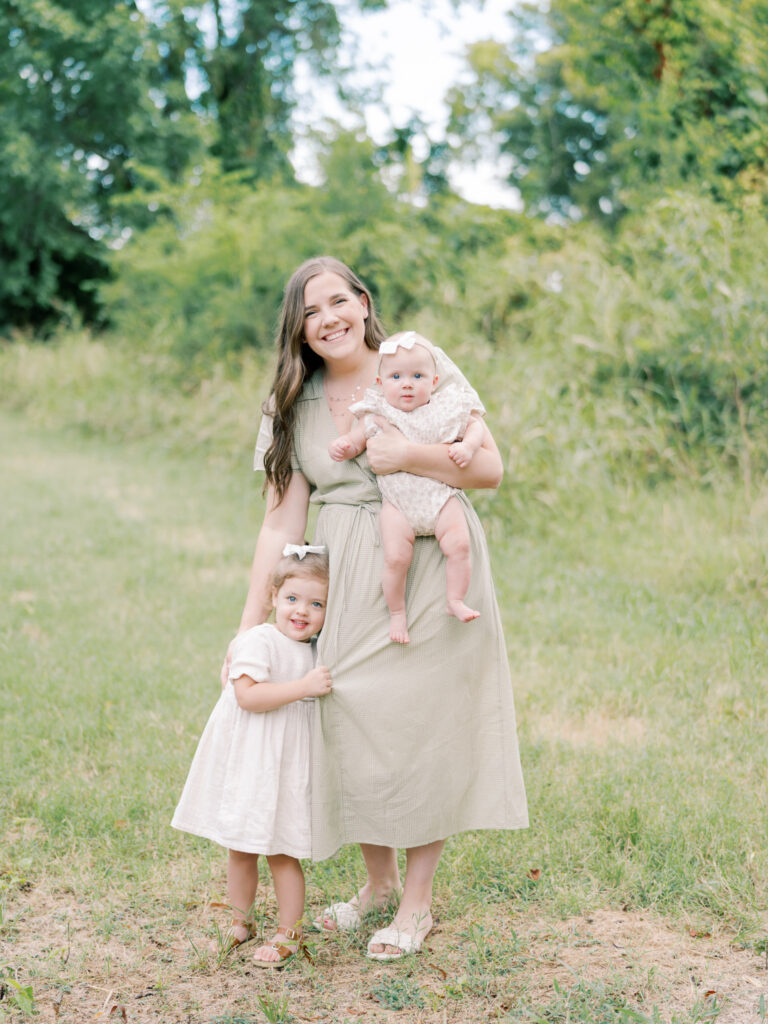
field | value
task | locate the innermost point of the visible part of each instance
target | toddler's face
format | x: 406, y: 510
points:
x: 300, y: 607
x: 407, y: 377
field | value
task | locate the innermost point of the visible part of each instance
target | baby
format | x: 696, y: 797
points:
x: 415, y: 506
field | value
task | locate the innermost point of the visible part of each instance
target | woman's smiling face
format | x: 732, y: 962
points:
x: 334, y: 317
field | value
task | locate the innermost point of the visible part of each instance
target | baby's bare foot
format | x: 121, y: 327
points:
x: 398, y: 628
x: 461, y: 611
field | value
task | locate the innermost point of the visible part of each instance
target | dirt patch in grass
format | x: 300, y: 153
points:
x: 145, y: 961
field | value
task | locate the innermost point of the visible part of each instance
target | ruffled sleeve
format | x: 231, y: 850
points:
x: 449, y: 373
x: 371, y: 402
x: 252, y: 654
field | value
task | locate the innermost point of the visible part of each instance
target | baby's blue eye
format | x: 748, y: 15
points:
x: 291, y: 597
x: 317, y: 604
x: 418, y: 376
x: 395, y: 376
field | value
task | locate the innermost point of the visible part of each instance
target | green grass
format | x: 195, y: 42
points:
x: 638, y: 643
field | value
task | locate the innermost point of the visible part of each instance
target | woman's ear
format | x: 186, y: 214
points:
x: 364, y: 304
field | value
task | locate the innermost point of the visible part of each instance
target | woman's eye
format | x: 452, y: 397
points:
x: 309, y: 313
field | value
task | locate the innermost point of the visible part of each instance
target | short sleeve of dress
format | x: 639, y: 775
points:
x: 263, y: 441
x: 252, y: 655
x: 449, y: 373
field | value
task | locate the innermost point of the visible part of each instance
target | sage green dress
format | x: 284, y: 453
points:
x: 415, y: 742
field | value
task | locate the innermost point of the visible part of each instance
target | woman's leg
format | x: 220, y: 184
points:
x: 288, y: 879
x: 414, y: 915
x: 383, y: 880
x: 383, y: 875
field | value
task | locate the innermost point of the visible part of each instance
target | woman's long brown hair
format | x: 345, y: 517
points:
x: 296, y: 362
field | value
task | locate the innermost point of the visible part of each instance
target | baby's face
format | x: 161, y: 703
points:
x: 407, y: 377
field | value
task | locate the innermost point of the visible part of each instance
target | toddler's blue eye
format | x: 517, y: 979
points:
x: 317, y: 604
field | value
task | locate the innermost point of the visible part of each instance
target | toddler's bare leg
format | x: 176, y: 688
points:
x: 452, y: 535
x: 289, y: 890
x: 397, y: 541
x: 242, y: 882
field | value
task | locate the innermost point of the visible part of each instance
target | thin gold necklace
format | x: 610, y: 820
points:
x: 345, y: 398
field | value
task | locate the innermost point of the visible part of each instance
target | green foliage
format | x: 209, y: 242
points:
x: 394, y: 993
x: 81, y: 100
x: 599, y: 105
x: 215, y: 271
x: 97, y: 123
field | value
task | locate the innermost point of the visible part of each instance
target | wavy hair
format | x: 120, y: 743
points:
x: 296, y: 362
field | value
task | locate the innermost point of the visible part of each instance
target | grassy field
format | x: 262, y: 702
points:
x: 638, y: 640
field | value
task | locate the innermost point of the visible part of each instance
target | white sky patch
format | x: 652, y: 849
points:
x: 415, y: 56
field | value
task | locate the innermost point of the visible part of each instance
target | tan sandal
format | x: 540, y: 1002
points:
x: 228, y: 940
x: 285, y: 953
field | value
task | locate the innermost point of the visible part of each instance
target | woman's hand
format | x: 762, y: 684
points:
x: 387, y: 449
x: 391, y: 452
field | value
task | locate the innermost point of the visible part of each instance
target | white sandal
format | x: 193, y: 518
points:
x: 346, y: 915
x: 392, y: 936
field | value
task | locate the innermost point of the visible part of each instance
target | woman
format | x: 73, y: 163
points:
x: 416, y: 742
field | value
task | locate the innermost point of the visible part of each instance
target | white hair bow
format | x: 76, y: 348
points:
x: 389, y: 347
x: 304, y: 549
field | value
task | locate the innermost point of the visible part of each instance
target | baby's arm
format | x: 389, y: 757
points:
x: 462, y: 452
x: 254, y: 696
x: 350, y: 445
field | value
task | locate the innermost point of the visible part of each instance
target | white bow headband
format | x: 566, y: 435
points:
x: 407, y: 340
x: 304, y: 549
x: 390, y: 346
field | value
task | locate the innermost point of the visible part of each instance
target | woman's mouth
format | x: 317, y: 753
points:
x: 336, y: 335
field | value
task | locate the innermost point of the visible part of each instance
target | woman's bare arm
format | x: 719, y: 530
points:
x: 283, y: 524
x: 391, y: 452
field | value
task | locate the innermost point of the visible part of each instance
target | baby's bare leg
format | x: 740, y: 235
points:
x: 397, y: 541
x: 452, y: 535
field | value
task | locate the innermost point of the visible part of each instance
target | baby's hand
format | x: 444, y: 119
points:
x: 462, y: 454
x: 318, y: 681
x: 341, y: 449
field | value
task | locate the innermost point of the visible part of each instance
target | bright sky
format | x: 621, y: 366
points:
x: 418, y: 56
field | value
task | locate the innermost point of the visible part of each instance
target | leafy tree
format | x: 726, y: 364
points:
x: 598, y: 101
x: 82, y: 102
x: 97, y: 122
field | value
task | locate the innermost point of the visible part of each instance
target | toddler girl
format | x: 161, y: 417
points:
x: 248, y: 786
x: 414, y: 506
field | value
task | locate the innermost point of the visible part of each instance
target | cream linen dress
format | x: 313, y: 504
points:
x: 248, y: 788
x: 417, y: 741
